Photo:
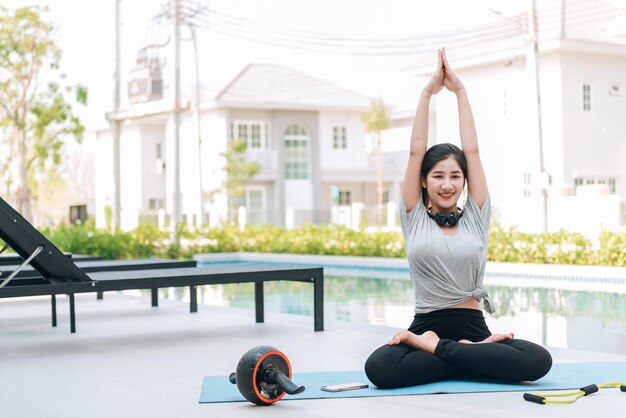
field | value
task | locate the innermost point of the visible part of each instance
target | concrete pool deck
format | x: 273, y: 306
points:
x: 128, y: 359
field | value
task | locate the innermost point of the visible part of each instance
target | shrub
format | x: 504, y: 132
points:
x: 506, y: 245
x: 559, y: 247
x: 612, y: 251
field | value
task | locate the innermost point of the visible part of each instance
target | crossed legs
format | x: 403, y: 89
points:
x: 414, y: 359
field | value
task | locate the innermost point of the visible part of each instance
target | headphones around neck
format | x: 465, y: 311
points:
x: 442, y: 219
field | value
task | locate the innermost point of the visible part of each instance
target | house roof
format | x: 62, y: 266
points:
x: 275, y: 87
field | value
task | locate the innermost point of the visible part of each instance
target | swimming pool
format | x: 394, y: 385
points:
x: 592, y: 319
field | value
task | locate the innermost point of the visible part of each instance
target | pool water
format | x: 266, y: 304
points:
x: 586, y: 320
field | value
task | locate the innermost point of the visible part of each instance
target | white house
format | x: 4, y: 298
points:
x: 306, y: 135
x: 582, y: 82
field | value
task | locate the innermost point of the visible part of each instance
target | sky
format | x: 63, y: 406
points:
x: 85, y: 33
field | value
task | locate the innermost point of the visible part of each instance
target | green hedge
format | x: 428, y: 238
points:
x: 144, y: 241
x: 559, y: 247
x: 507, y: 245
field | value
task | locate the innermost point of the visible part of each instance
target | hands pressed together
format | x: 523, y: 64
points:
x: 444, y: 76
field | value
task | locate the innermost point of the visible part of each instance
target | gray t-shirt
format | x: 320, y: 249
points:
x: 446, y: 270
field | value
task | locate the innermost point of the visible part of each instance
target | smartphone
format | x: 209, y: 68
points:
x: 344, y: 386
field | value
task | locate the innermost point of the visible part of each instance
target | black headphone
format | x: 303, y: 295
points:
x: 442, y: 219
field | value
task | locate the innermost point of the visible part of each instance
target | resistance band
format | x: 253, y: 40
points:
x: 544, y: 398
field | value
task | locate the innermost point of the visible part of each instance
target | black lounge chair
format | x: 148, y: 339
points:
x: 60, y: 275
x: 30, y: 276
x: 103, y: 265
x: 9, y: 259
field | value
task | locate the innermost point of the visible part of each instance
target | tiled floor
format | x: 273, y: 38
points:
x: 128, y: 359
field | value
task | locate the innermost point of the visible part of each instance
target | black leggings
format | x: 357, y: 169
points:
x: 393, y: 366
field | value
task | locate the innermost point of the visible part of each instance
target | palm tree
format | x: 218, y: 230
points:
x: 376, y: 121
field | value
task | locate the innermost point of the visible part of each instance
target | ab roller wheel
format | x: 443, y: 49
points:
x: 263, y: 376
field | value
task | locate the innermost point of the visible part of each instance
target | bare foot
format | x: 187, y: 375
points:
x: 425, y: 342
x: 494, y: 338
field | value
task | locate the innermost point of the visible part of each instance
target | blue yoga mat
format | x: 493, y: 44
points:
x: 562, y: 376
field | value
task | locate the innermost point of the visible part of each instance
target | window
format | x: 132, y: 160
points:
x: 242, y: 132
x: 160, y: 163
x: 255, y: 136
x: 586, y: 98
x: 254, y: 202
x: 255, y: 206
x: 503, y: 105
x: 297, y: 153
x: 615, y: 89
x: 609, y: 181
x: 78, y: 214
x: 340, y: 138
x: 345, y: 197
x: 253, y: 132
x: 156, y: 204
x: 526, y: 184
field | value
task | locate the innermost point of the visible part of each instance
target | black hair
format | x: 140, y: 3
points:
x: 438, y: 153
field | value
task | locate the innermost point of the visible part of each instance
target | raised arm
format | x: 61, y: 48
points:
x: 419, y: 137
x: 476, y: 180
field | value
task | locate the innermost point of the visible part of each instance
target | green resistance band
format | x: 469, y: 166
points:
x: 544, y: 398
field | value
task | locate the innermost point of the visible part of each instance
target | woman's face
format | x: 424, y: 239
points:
x: 444, y: 185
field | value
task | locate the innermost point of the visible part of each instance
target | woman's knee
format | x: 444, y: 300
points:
x: 377, y: 367
x: 400, y: 366
x: 382, y: 366
x: 538, y: 360
x: 542, y: 362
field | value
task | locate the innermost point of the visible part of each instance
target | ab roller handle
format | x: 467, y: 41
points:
x: 283, y: 381
x: 263, y: 376
x: 274, y: 376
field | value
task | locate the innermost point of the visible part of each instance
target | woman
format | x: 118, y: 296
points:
x: 447, y: 250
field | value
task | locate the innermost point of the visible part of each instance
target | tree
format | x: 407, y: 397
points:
x: 238, y: 173
x: 376, y: 121
x: 35, y: 120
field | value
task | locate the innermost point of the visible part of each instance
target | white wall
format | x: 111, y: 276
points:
x: 131, y: 178
x: 153, y: 181
x: 595, y: 140
x: 195, y: 157
x: 299, y: 194
x: 354, y: 157
x: 553, y: 121
x: 588, y: 212
x: 214, y: 142
x: 189, y: 167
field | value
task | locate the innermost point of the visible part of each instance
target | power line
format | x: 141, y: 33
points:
x: 201, y: 16
x: 238, y: 27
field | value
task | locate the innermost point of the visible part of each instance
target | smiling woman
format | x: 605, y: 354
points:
x: 447, y: 254
x: 444, y: 171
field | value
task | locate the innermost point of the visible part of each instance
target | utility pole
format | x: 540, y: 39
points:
x: 198, y: 124
x: 534, y: 55
x: 176, y: 204
x: 116, y: 127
